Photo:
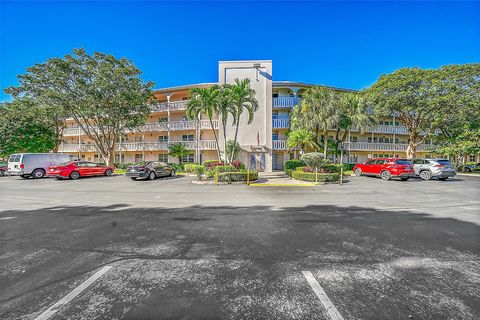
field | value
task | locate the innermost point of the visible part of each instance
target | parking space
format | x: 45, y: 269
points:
x: 377, y: 249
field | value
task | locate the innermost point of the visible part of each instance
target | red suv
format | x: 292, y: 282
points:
x: 386, y: 168
x: 75, y: 170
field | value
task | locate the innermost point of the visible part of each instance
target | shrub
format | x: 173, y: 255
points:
x: 237, y: 176
x: 289, y: 172
x: 212, y: 163
x: 199, y: 170
x: 190, y: 167
x: 292, y: 164
x: 221, y: 169
x: 237, y: 164
x: 322, y: 177
x: 315, y: 160
x: 348, y: 166
x: 332, y: 167
x: 178, y: 167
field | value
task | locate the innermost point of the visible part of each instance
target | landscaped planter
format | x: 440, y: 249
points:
x: 312, y: 177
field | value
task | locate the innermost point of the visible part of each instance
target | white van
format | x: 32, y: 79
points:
x: 35, y: 165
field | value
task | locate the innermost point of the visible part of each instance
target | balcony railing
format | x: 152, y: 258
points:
x: 140, y: 146
x: 279, y: 145
x: 281, y: 123
x: 169, y: 106
x: 373, y: 146
x: 285, y: 102
x: 159, y: 126
x: 385, y: 129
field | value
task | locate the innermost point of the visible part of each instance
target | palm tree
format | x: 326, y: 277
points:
x: 302, y: 139
x: 316, y: 113
x: 243, y: 98
x: 178, y: 150
x: 204, y: 101
x: 224, y: 109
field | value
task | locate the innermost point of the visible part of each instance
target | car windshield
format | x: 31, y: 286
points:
x: 402, y: 161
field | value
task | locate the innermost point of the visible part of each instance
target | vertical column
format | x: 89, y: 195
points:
x: 168, y: 95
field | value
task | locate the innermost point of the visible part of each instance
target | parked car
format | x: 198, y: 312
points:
x: 149, y: 170
x: 77, y: 169
x: 386, y: 168
x: 35, y: 165
x: 471, y: 167
x: 3, y: 169
x: 429, y: 168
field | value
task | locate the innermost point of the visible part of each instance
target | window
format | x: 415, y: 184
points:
x: 472, y: 158
x: 119, y: 159
x: 163, y: 138
x: 139, y: 139
x: 163, y: 119
x: 353, y: 139
x: 275, y: 95
x: 380, y: 161
x: 403, y: 161
x: 188, y: 158
x: 138, y: 157
x: 370, y: 162
x: 187, y: 137
x: 275, y: 136
x: 184, y: 118
x: 96, y: 158
x: 396, y: 123
x: 275, y: 115
x: 163, y: 157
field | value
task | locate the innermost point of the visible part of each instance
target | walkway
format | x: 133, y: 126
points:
x: 278, y: 179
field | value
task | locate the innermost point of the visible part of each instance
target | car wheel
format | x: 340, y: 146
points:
x: 74, y: 175
x: 443, y: 179
x: 38, y: 173
x: 405, y: 178
x: 152, y: 175
x: 358, y: 172
x: 172, y: 173
x: 108, y: 172
x: 385, y: 175
x: 467, y: 169
x: 59, y: 178
x: 2, y: 173
x: 426, y: 175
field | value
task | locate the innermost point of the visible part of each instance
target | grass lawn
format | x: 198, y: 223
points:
x: 119, y: 171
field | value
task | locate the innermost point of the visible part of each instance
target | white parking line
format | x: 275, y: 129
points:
x: 75, y: 292
x: 327, y: 304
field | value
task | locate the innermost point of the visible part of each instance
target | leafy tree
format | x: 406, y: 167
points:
x: 243, y: 99
x: 205, y: 101
x: 104, y: 95
x: 316, y: 113
x: 230, y: 149
x: 178, y: 150
x: 425, y: 100
x: 224, y: 109
x: 302, y: 139
x: 25, y: 127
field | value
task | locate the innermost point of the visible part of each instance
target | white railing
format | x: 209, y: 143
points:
x: 373, y: 146
x: 281, y: 123
x: 208, y: 145
x: 385, y: 129
x: 169, y: 106
x: 205, y: 124
x: 182, y: 125
x: 279, y: 144
x: 140, y: 146
x: 285, y: 102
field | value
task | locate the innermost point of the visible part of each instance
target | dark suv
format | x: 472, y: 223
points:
x: 149, y: 170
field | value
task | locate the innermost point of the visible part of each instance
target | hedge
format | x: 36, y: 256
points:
x: 212, y: 163
x: 227, y: 168
x: 292, y: 164
x: 191, y: 167
x: 237, y: 176
x: 322, y: 177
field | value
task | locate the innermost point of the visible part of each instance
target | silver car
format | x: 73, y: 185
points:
x: 429, y: 168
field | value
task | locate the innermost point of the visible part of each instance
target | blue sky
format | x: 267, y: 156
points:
x: 344, y: 44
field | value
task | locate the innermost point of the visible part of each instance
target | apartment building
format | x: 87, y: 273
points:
x: 263, y: 142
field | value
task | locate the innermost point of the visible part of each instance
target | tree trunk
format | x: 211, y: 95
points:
x: 225, y: 156
x: 235, y: 139
x: 411, y: 150
x: 216, y: 138
x: 325, y: 144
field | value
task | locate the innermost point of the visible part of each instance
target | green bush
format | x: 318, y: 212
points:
x: 292, y: 164
x: 221, y: 169
x: 191, y: 167
x: 237, y: 176
x: 178, y: 167
x: 348, y: 166
x: 199, y: 170
x: 212, y: 163
x: 289, y: 172
x: 322, y: 177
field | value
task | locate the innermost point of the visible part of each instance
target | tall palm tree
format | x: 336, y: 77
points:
x: 243, y: 99
x: 316, y: 113
x: 224, y: 109
x: 302, y: 139
x: 204, y: 101
x: 178, y: 150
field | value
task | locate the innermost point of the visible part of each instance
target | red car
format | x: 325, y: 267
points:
x: 77, y: 169
x: 386, y: 168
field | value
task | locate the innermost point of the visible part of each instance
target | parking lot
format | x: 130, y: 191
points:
x: 112, y: 248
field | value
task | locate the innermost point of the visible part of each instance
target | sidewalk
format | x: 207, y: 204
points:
x: 278, y: 179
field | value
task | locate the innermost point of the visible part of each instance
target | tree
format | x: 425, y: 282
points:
x: 204, y: 101
x: 178, y: 150
x: 224, y: 109
x: 302, y: 139
x: 104, y: 95
x: 230, y: 149
x: 316, y: 113
x: 243, y: 99
x: 314, y: 160
x: 423, y: 100
x: 25, y: 127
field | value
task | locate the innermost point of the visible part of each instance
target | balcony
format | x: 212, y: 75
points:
x: 285, y: 102
x: 280, y: 123
x: 384, y: 129
x: 279, y: 144
x: 372, y: 146
x: 169, y: 106
x: 140, y: 146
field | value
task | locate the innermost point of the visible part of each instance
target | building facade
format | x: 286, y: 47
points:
x: 263, y: 142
